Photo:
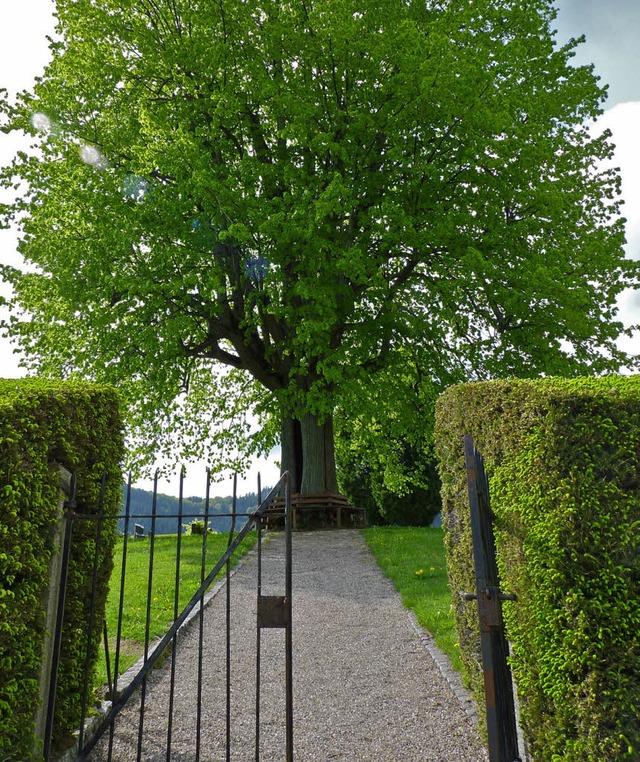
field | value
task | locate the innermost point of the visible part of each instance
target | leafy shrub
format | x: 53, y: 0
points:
x: 563, y: 459
x: 414, y: 504
x: 197, y: 527
x: 384, y: 445
x: 42, y: 424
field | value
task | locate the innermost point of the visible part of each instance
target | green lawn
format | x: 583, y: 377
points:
x: 162, y: 591
x: 413, y: 559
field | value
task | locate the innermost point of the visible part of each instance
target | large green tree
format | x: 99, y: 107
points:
x: 302, y: 191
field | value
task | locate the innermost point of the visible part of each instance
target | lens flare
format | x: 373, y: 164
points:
x: 41, y: 122
x: 134, y: 187
x: 93, y: 156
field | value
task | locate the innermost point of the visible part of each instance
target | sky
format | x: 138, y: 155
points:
x: 611, y: 28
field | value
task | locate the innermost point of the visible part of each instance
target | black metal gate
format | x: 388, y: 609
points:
x: 99, y: 736
x: 498, y: 685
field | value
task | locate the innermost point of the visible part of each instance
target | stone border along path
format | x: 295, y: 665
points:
x: 369, y: 684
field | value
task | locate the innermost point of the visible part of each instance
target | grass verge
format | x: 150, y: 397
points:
x: 413, y: 559
x: 162, y: 589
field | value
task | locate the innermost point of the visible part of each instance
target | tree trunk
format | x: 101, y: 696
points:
x: 291, y: 451
x: 308, y: 454
x: 318, y: 457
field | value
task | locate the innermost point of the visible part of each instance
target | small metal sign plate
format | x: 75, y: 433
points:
x: 272, y: 611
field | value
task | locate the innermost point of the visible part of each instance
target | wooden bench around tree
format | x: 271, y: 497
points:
x: 324, y: 508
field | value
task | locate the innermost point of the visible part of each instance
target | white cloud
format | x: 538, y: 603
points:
x: 24, y: 50
x: 624, y: 122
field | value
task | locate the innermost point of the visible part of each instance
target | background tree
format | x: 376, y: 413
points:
x: 303, y: 191
x: 384, y: 446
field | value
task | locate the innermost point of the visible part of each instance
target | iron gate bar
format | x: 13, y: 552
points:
x: 258, y: 644
x: 500, y: 707
x: 283, y: 603
x: 107, y: 655
x: 143, y: 687
x: 176, y: 597
x: 205, y: 534
x: 228, y: 621
x: 116, y: 662
x: 121, y: 700
x: 92, y: 607
x: 258, y: 640
x: 289, y: 629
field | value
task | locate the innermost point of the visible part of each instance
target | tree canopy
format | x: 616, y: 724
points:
x: 306, y: 192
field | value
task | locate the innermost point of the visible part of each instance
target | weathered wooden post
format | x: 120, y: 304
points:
x: 49, y: 602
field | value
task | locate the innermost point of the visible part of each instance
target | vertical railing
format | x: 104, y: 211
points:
x: 500, y: 708
x: 123, y: 571
x: 92, y: 610
x: 152, y: 541
x: 289, y: 619
x: 176, y: 610
x: 94, y: 628
x: 228, y: 621
x: 273, y: 611
x: 258, y: 640
x: 201, y: 618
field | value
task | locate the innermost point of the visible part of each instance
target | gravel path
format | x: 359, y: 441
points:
x: 366, y: 685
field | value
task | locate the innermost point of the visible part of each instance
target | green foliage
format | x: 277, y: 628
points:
x: 197, y: 527
x: 416, y: 506
x: 308, y: 192
x: 563, y: 459
x: 414, y: 560
x: 384, y: 446
x: 43, y: 424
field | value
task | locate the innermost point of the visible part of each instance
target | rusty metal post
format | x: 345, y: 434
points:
x: 498, y: 686
x: 289, y: 625
x: 275, y: 611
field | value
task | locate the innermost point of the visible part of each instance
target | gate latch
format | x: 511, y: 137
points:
x: 488, y: 607
x: 273, y: 611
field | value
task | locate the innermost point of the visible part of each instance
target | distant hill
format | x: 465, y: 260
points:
x: 167, y: 521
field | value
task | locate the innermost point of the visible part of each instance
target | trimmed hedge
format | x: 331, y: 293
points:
x: 43, y: 424
x: 563, y: 460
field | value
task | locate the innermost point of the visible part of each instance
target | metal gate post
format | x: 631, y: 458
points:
x: 274, y: 611
x: 498, y: 686
x: 289, y: 625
